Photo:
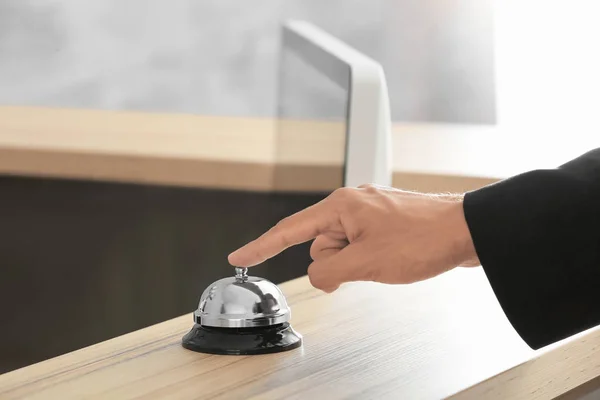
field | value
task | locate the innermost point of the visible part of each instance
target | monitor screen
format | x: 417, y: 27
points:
x: 311, y: 129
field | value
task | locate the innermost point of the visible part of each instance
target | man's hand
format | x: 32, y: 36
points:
x: 371, y: 234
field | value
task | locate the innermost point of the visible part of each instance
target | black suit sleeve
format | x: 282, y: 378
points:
x: 537, y: 236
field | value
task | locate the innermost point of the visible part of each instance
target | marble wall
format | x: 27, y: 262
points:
x: 220, y: 57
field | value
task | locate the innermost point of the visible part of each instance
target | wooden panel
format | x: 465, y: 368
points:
x: 176, y: 149
x: 200, y: 173
x: 223, y: 152
x: 137, y: 134
x: 465, y: 151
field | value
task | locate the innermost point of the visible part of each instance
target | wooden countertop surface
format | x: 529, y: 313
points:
x: 241, y: 153
x: 443, y: 337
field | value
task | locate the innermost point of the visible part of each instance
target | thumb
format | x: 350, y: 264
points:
x: 347, y: 265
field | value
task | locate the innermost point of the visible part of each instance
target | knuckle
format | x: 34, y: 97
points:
x: 315, y: 277
x: 281, y: 232
x: 344, y: 192
x: 312, y: 277
x: 321, y: 281
x: 284, y: 240
x: 370, y: 187
x: 281, y: 224
x: 344, y: 198
x: 331, y: 289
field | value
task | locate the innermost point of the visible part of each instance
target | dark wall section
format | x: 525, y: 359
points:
x: 82, y: 262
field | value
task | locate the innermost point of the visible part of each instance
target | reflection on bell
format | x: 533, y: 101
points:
x: 242, y: 315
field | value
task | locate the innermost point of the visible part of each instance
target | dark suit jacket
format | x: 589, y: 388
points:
x: 537, y: 236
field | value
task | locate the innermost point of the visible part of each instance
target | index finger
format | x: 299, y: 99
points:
x: 295, y: 229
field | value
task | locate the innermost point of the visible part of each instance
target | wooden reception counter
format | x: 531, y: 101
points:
x: 446, y: 337
x: 435, y: 339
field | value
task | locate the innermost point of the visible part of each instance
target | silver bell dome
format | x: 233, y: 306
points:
x: 242, y: 301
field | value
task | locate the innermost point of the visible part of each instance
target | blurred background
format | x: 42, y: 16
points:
x: 220, y: 57
x: 84, y: 261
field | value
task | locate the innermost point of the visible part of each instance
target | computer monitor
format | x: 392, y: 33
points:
x: 333, y: 126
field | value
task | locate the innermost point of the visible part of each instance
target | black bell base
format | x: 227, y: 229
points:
x: 242, y: 341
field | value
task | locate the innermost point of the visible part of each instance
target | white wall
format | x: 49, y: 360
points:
x: 219, y: 57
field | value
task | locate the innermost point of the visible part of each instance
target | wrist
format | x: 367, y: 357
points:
x: 463, y: 251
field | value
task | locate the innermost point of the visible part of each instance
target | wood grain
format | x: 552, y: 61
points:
x: 427, y: 340
x: 430, y: 340
x: 218, y: 152
x: 177, y: 149
x: 557, y: 370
